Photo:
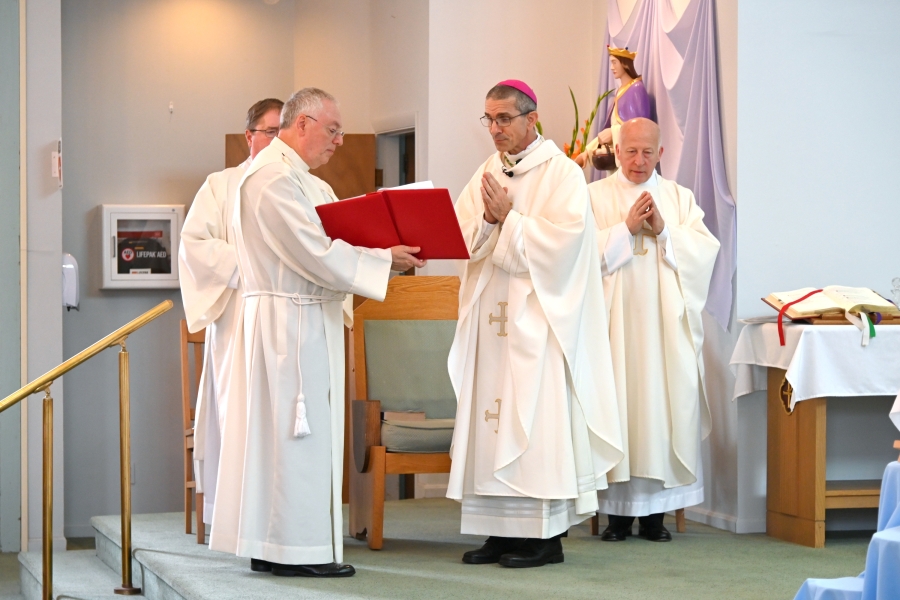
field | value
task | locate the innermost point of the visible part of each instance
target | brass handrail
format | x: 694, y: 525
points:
x: 109, y: 341
x: 42, y: 384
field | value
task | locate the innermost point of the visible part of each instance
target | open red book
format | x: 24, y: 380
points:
x: 423, y: 218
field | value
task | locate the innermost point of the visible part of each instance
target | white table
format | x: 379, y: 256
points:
x: 816, y: 362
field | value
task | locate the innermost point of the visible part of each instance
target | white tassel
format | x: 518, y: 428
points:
x: 301, y: 424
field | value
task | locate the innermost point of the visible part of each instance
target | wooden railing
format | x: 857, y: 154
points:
x: 42, y: 384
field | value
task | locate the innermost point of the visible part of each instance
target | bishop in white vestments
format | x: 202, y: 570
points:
x: 537, y: 425
x: 211, y: 293
x: 279, y: 495
x: 657, y: 259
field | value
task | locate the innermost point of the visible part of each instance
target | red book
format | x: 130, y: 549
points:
x: 423, y: 218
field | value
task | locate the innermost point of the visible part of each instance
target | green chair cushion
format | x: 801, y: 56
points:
x: 422, y: 437
x: 406, y: 366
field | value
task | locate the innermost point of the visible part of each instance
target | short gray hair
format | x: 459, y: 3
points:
x: 524, y: 104
x: 302, y: 102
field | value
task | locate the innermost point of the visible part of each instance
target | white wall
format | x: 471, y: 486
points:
x: 333, y: 51
x: 817, y: 127
x: 123, y: 62
x: 474, y: 44
x: 399, y: 71
x: 44, y: 254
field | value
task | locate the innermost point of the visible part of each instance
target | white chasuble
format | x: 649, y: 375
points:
x: 655, y: 290
x: 211, y: 293
x: 537, y: 426
x: 280, y: 474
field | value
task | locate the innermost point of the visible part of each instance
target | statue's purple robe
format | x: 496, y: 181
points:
x: 634, y: 103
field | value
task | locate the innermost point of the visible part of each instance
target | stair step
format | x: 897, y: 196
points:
x: 76, y: 574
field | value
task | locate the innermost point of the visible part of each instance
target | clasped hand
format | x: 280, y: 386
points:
x: 402, y: 258
x: 644, y: 209
x: 496, y: 201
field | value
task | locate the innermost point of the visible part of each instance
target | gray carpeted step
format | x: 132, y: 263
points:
x: 76, y: 574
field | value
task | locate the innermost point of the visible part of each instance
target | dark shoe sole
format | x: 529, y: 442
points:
x: 481, y: 560
x: 514, y: 564
x: 261, y: 567
x: 291, y: 573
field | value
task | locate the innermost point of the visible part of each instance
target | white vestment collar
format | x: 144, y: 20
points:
x: 288, y: 153
x: 537, y: 153
x: 510, y: 160
x: 652, y: 182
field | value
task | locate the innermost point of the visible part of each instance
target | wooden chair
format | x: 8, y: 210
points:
x: 411, y: 302
x: 187, y: 420
x: 680, y: 525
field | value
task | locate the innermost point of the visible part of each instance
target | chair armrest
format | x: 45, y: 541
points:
x: 366, y: 429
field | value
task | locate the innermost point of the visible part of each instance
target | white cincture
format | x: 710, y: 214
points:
x: 301, y: 423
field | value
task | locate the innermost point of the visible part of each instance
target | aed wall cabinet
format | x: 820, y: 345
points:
x: 140, y: 245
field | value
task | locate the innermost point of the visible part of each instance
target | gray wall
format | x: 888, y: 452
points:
x: 123, y: 62
x: 44, y: 254
x: 10, y: 421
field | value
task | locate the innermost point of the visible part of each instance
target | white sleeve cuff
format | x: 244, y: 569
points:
x: 668, y: 253
x: 235, y: 279
x: 486, y: 230
x: 372, y: 273
x: 509, y: 253
x: 619, y: 249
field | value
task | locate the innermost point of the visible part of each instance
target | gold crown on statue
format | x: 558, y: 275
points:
x: 621, y: 52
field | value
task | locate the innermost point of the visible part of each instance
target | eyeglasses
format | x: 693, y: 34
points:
x: 269, y: 133
x: 501, y: 121
x: 331, y: 130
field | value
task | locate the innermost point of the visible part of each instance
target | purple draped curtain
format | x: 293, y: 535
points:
x: 677, y: 58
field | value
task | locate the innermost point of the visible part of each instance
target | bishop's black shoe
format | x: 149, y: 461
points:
x: 260, y: 566
x: 326, y: 570
x: 652, y: 528
x: 494, y: 547
x: 535, y: 553
x: 618, y: 529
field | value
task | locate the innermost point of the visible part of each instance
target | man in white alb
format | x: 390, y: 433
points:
x: 657, y: 258
x: 537, y: 426
x: 211, y: 293
x: 279, y: 494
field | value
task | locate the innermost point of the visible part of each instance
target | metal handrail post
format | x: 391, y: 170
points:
x: 47, y: 500
x: 127, y: 588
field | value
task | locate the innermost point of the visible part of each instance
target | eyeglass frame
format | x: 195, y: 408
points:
x: 265, y: 132
x: 491, y: 121
x: 331, y: 130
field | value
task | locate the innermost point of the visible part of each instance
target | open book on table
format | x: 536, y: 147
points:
x: 832, y: 303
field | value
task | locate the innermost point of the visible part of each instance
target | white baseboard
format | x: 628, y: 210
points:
x: 712, y: 518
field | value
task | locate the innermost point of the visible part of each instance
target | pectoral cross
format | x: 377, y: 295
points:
x: 502, y: 319
x: 488, y: 415
x: 639, y: 249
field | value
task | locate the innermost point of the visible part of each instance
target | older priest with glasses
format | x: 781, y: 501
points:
x: 279, y: 497
x: 537, y: 426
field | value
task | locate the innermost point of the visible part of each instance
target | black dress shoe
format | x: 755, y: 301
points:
x: 618, y: 529
x: 652, y: 528
x: 535, y: 553
x: 657, y: 534
x: 326, y: 570
x: 260, y: 566
x: 493, y: 549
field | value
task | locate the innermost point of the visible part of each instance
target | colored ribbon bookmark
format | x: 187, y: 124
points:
x: 784, y: 308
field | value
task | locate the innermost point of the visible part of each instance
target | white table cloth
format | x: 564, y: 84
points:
x: 845, y: 588
x: 820, y: 360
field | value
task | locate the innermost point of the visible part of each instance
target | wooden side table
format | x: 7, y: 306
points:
x: 797, y: 493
